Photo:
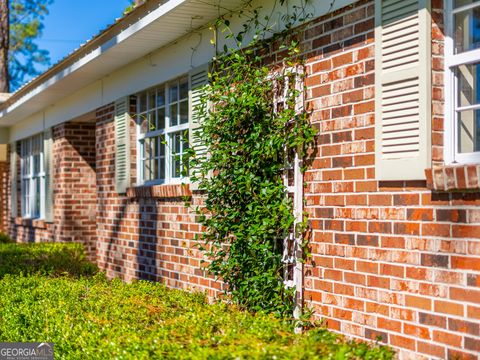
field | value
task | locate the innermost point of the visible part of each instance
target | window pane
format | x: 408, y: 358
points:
x: 184, y: 89
x: 154, y: 149
x: 147, y: 170
x: 468, y: 84
x: 173, y: 93
x: 26, y: 157
x: 154, y: 146
x: 179, y: 145
x: 161, y: 118
x: 469, y: 131
x: 152, y: 120
x: 176, y: 154
x: 173, y: 115
x: 26, y: 165
x: 36, y: 211
x: 143, y: 121
x: 162, y: 146
x: 184, y: 112
x: 459, y: 3
x: 152, y: 100
x: 142, y: 102
x: 161, y: 97
x: 142, y: 158
x: 467, y: 30
x: 184, y: 149
x: 25, y: 194
x: 162, y: 158
x: 155, y: 173
x: 147, y: 152
x: 162, y: 168
x: 36, y: 164
x: 148, y: 166
x: 149, y: 148
x: 176, y: 167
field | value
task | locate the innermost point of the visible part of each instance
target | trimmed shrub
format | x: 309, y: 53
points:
x: 49, y: 295
x: 93, y: 318
x: 46, y: 258
x: 5, y: 239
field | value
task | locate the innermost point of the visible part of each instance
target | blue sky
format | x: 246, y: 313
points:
x: 71, y: 22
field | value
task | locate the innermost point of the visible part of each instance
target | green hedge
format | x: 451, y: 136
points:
x: 5, y: 239
x: 47, y: 258
x: 94, y: 318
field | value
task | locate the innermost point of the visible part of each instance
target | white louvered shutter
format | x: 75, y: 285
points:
x: 198, y: 78
x: 122, y: 145
x: 48, y: 168
x: 13, y: 179
x: 403, y: 89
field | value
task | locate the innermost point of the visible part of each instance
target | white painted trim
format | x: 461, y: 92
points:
x: 466, y: 57
x: 27, y: 214
x: 464, y: 7
x: 94, y: 54
x: 167, y: 132
x: 450, y: 152
x: 404, y: 166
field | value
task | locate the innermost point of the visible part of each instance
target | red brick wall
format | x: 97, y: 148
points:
x: 390, y: 259
x: 74, y: 183
x: 148, y: 234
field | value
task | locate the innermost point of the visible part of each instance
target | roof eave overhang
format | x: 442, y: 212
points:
x: 158, y: 28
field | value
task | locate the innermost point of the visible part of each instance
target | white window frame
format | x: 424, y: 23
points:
x: 451, y: 153
x: 168, y: 132
x: 29, y: 195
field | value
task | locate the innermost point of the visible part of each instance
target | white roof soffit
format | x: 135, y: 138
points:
x: 156, y: 29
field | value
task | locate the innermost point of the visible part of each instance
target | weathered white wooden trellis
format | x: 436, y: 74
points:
x: 290, y: 81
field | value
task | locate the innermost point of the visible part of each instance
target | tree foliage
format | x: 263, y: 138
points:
x: 247, y: 213
x: 4, y: 41
x: 25, y: 27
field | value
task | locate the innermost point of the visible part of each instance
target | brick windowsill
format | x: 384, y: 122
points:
x: 160, y: 191
x: 37, y: 224
x: 453, y: 178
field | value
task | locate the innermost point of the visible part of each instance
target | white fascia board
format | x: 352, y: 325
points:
x: 140, y: 25
x: 51, y: 81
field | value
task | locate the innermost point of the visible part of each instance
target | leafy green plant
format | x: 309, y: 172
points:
x: 5, y: 239
x: 91, y: 317
x: 45, y: 258
x: 94, y: 318
x: 251, y: 137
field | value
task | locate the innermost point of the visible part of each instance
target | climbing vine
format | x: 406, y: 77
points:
x: 252, y: 126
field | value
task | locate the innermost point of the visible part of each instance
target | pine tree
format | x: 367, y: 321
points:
x: 20, y: 25
x: 4, y: 45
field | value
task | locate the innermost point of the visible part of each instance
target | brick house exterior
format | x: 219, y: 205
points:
x: 392, y: 259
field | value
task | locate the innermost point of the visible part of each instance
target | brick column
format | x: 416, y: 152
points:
x: 75, y: 184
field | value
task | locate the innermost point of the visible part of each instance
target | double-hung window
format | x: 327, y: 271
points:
x: 32, y: 177
x: 462, y: 57
x: 162, y: 122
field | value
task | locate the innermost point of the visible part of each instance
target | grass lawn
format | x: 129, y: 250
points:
x: 50, y: 293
